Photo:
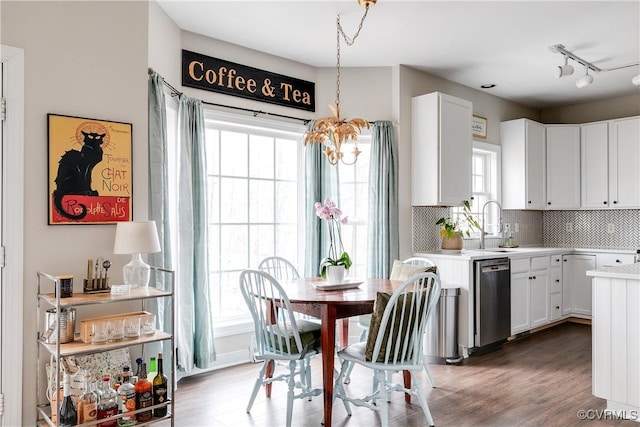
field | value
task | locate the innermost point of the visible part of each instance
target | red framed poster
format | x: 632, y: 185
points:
x: 90, y: 169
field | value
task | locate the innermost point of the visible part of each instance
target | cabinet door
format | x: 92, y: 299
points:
x: 555, y: 280
x: 555, y: 301
x: 535, y: 166
x: 539, y: 291
x: 624, y: 163
x: 567, y: 308
x: 577, y: 266
x: 519, y: 303
x: 563, y: 167
x: 594, y: 163
x: 455, y: 150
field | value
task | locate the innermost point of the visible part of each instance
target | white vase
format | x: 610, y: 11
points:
x: 335, y: 274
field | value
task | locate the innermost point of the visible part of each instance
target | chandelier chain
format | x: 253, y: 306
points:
x: 349, y: 41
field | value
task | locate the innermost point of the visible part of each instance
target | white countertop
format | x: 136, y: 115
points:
x: 519, y: 252
x: 628, y: 271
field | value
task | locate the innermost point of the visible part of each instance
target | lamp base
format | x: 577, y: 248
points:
x: 136, y: 274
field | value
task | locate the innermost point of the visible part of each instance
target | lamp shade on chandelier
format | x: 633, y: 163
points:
x: 335, y: 131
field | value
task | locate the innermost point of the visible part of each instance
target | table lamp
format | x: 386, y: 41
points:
x: 136, y: 238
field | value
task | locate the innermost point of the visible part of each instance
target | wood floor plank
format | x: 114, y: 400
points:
x: 540, y: 380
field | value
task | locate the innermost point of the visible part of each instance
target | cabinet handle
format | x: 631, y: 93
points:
x: 564, y: 260
x: 557, y: 280
x: 604, y: 202
x: 549, y: 203
x: 557, y: 307
x: 615, y: 202
x: 618, y: 261
x: 534, y: 277
x: 529, y: 202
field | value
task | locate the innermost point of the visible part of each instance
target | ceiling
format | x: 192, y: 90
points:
x: 469, y: 42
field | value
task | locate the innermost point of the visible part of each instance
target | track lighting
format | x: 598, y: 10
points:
x: 564, y: 70
x: 585, y: 80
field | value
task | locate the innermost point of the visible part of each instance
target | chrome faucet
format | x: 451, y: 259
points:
x: 482, y: 224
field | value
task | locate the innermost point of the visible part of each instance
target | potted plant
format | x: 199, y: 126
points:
x: 451, y: 231
x: 334, y: 266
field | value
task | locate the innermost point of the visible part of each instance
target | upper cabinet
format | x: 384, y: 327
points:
x: 610, y: 164
x: 523, y: 164
x: 563, y: 166
x: 440, y: 150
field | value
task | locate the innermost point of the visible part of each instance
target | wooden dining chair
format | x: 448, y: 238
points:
x: 394, y: 343
x: 279, y: 337
x: 400, y: 274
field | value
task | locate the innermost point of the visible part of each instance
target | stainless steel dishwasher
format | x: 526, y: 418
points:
x: 492, y: 303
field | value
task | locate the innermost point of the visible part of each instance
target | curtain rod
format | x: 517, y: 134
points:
x: 254, y: 112
x: 176, y: 92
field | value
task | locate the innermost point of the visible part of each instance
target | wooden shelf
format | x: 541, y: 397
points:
x: 78, y: 347
x: 80, y: 298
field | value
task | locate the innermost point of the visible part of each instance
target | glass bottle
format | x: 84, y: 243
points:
x: 88, y: 405
x: 160, y: 390
x: 68, y: 414
x: 126, y: 399
x: 152, y: 371
x: 144, y: 399
x: 108, y: 404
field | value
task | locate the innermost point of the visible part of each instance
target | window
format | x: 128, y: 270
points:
x: 484, y: 186
x: 255, y: 195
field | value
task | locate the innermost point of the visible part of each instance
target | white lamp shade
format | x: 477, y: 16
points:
x: 636, y: 80
x: 136, y: 238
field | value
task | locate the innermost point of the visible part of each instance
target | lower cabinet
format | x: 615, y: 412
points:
x: 529, y: 293
x: 576, y: 284
x: 555, y: 288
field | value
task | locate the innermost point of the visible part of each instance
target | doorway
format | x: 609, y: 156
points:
x: 11, y: 234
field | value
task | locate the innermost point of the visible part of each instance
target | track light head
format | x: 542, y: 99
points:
x: 585, y: 80
x: 636, y: 80
x: 564, y: 70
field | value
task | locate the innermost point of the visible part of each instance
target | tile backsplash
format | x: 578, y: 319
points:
x: 605, y: 229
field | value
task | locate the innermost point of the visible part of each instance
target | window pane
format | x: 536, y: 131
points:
x: 214, y: 248
x: 260, y: 156
x: 233, y: 202
x: 287, y: 159
x: 286, y: 202
x: 234, y: 241
x: 362, y: 165
x: 212, y: 150
x: 285, y: 234
x: 262, y: 244
x: 229, y: 298
x: 233, y: 158
x: 261, y: 201
x: 213, y: 198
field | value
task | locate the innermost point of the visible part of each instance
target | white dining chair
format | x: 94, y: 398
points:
x: 365, y: 320
x: 394, y: 344
x: 279, y: 267
x: 279, y: 337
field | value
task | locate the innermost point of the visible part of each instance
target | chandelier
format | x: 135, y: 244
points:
x: 334, y: 131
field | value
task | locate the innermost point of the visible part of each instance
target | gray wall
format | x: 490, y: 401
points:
x: 626, y: 106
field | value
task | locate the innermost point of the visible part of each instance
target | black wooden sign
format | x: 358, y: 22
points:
x: 217, y: 75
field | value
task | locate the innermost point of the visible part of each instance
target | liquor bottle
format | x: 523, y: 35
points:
x: 88, y: 406
x: 144, y: 399
x: 152, y: 370
x: 108, y: 404
x: 160, y: 390
x: 126, y: 399
x: 68, y: 414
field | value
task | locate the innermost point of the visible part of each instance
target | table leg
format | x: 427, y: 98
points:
x: 328, y: 337
x: 271, y: 364
x: 344, y: 332
x: 407, y: 384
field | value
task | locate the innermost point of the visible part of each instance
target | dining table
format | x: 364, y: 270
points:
x: 314, y: 297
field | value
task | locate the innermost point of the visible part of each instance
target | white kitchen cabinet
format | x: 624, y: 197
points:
x: 440, y: 150
x: 577, y: 286
x: 614, y: 259
x: 523, y: 164
x: 610, y: 162
x: 555, y: 288
x: 529, y: 293
x: 624, y: 163
x: 563, y: 166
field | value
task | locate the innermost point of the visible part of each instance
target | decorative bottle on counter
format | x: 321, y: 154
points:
x: 68, y: 415
x: 160, y: 390
x: 88, y: 404
x: 126, y: 399
x: 144, y: 398
x: 108, y: 404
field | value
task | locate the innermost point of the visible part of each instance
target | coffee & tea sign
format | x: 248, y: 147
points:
x: 217, y: 75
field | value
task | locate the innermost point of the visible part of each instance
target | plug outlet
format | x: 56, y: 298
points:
x: 516, y: 227
x: 569, y: 227
x: 611, y: 228
x: 506, y: 226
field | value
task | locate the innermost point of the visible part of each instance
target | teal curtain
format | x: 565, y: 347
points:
x: 195, y: 318
x: 383, y: 236
x: 158, y: 205
x: 320, y: 182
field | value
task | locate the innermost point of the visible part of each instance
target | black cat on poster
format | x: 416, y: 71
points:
x: 74, y: 173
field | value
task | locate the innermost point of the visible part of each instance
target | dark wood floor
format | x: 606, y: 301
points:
x: 541, y: 380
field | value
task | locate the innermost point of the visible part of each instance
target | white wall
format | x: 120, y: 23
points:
x: 626, y: 106
x: 85, y: 59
